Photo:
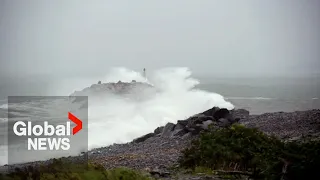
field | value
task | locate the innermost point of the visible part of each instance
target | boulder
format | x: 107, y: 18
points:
x: 182, y: 122
x: 187, y: 136
x: 221, y: 113
x: 205, y: 124
x: 198, y: 119
x: 195, y: 129
x: 179, y: 127
x: 143, y: 138
x: 159, y: 173
x: 167, y: 130
x: 210, y: 112
x: 223, y: 122
x: 179, y: 132
x: 158, y: 130
x: 241, y: 114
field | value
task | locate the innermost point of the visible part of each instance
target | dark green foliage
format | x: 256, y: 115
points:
x: 248, y: 150
x: 303, y: 159
x: 64, y: 170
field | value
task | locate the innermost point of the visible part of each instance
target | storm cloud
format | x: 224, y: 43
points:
x: 226, y: 38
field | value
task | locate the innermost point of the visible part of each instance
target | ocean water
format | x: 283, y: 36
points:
x: 262, y: 95
x: 180, y: 95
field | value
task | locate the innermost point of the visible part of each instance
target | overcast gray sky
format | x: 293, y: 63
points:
x: 232, y: 37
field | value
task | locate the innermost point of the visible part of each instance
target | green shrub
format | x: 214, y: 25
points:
x: 249, y: 150
x: 204, y: 170
x: 125, y: 174
x: 64, y: 170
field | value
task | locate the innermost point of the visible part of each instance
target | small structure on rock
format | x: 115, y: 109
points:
x: 99, y: 82
x: 144, y: 73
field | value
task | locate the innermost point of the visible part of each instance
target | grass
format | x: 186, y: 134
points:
x: 63, y: 170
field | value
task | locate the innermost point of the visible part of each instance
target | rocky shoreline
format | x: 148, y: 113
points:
x: 159, y: 151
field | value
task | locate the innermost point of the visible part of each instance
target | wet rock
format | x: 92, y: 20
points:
x: 199, y: 122
x: 223, y: 122
x: 195, y: 129
x: 198, y: 119
x: 179, y: 132
x: 182, y: 122
x: 179, y: 127
x: 210, y: 112
x: 187, y: 136
x: 241, y: 114
x: 167, y: 130
x: 159, y: 173
x: 222, y: 113
x: 143, y: 138
x: 158, y: 130
x: 205, y: 124
x: 201, y: 117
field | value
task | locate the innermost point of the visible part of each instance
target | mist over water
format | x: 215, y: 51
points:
x: 117, y: 119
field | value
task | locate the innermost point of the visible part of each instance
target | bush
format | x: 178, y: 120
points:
x: 64, y: 170
x: 249, y: 150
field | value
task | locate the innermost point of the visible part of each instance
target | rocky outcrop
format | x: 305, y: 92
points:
x: 216, y: 117
x: 132, y: 90
x: 144, y: 137
x: 113, y: 88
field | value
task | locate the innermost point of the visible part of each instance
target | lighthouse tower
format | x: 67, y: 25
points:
x: 144, y: 73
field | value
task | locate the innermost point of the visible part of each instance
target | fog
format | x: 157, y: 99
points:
x: 216, y: 38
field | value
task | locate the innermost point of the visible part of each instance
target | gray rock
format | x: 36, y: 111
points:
x: 193, y: 121
x: 222, y: 113
x: 187, y: 136
x: 242, y: 114
x: 197, y: 129
x: 182, y: 122
x: 190, y: 129
x: 167, y: 130
x: 179, y: 127
x: 201, y: 118
x: 158, y: 130
x: 143, y: 138
x: 222, y: 122
x: 179, y: 132
x: 205, y: 124
x: 210, y: 112
x: 157, y: 173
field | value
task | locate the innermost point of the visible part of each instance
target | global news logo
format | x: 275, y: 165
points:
x: 61, y: 133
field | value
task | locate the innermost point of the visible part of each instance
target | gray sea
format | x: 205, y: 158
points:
x: 262, y: 95
x: 258, y: 95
